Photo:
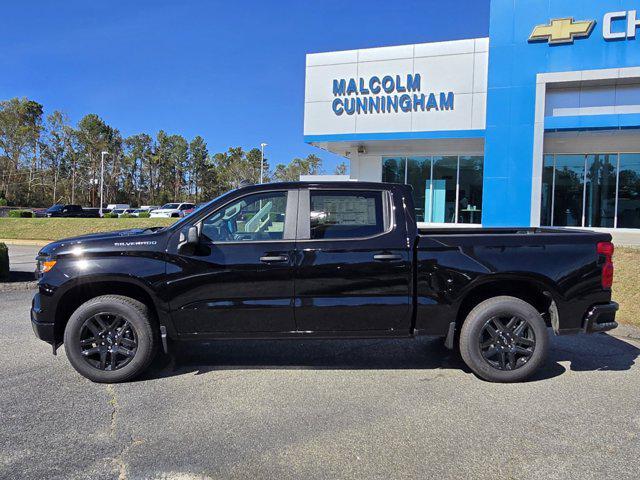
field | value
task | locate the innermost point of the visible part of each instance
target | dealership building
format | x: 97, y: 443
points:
x: 536, y: 125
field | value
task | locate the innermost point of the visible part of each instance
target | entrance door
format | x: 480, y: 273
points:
x: 240, y: 278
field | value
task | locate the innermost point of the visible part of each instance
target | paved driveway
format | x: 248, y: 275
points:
x: 313, y: 409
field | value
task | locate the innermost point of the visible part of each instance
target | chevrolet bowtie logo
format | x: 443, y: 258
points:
x: 562, y: 30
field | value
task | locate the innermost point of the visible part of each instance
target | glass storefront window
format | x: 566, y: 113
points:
x: 547, y: 190
x: 600, y: 198
x: 569, y: 190
x: 393, y: 169
x: 419, y: 176
x: 443, y: 189
x: 629, y: 191
x: 470, y: 189
x: 591, y: 190
x: 446, y: 189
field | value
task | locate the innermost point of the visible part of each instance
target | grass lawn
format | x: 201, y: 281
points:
x: 57, y: 228
x: 626, y: 284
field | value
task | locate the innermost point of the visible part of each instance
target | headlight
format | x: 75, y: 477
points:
x: 44, y: 264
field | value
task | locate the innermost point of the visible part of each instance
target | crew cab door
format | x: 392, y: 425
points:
x: 240, y: 276
x: 353, y: 271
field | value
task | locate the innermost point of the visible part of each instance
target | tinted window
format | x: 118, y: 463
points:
x: 255, y: 217
x: 338, y: 214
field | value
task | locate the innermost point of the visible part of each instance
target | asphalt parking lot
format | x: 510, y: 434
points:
x: 313, y: 409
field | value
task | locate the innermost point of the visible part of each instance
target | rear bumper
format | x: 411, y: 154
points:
x: 600, y: 318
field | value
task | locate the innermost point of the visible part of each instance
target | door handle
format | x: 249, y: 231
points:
x: 386, y: 257
x: 274, y: 259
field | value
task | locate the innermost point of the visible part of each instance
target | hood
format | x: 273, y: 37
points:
x: 106, y: 241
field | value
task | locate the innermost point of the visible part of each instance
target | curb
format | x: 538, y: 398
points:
x: 17, y: 286
x: 13, y: 241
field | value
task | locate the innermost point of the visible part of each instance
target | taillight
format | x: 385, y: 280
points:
x: 606, y: 249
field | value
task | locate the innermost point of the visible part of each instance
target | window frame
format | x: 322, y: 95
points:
x: 303, y: 231
x: 290, y: 218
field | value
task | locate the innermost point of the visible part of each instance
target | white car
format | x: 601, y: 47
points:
x: 169, y: 210
x: 144, y: 209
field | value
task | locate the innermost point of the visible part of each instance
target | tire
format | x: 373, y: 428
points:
x: 136, y: 336
x: 486, y: 351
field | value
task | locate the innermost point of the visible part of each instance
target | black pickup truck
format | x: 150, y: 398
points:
x: 321, y: 260
x: 68, y: 211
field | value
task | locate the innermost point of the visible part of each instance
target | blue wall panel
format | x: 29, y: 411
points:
x: 513, y: 65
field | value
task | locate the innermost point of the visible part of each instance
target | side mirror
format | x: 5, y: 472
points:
x: 189, y: 238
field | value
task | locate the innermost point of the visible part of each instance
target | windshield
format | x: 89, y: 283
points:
x: 55, y: 208
x: 170, y: 206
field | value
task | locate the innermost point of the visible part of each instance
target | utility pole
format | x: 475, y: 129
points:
x: 262, y: 145
x: 102, y: 178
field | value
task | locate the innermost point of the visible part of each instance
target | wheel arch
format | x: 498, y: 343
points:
x: 87, y: 289
x: 535, y: 291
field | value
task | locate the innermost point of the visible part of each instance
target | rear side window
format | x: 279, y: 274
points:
x: 342, y: 214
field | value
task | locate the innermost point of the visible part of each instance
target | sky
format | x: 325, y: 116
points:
x: 232, y: 71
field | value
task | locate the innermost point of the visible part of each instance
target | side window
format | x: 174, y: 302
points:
x: 341, y: 214
x: 255, y: 217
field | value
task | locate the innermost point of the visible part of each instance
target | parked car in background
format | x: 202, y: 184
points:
x: 127, y: 211
x: 169, y: 210
x: 114, y: 206
x: 144, y: 209
x: 117, y: 206
x: 68, y: 211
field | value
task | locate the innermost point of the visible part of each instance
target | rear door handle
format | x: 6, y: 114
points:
x: 274, y: 259
x: 386, y: 257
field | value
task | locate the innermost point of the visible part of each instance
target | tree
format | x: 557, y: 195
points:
x: 55, y: 148
x: 198, y: 156
x: 312, y: 165
x: 95, y: 136
x: 137, y: 162
x: 235, y: 167
x: 20, y: 127
x: 341, y: 169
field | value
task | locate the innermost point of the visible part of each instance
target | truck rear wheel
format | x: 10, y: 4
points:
x: 110, y: 339
x: 504, y: 339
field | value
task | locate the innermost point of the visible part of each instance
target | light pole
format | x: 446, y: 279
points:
x: 262, y: 145
x: 102, y: 179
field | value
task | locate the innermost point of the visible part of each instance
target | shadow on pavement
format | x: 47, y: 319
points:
x: 583, y: 353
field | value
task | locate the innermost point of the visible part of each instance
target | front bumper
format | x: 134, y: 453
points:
x: 43, y: 328
x: 600, y: 318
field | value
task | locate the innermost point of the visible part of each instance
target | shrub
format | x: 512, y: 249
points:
x: 20, y: 213
x: 126, y: 215
x: 110, y: 215
x: 4, y: 262
x: 144, y: 215
x: 3, y: 202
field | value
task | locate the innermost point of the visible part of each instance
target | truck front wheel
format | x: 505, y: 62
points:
x: 504, y: 339
x: 110, y: 338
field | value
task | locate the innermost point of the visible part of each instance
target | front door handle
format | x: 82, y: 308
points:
x: 274, y: 259
x: 386, y: 257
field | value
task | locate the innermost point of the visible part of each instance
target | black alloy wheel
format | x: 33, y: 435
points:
x: 507, y: 342
x: 504, y: 339
x: 108, y: 341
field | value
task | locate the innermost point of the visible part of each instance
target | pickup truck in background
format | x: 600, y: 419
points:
x: 321, y: 260
x: 69, y: 211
